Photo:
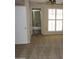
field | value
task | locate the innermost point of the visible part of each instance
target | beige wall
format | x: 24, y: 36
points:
x: 34, y: 5
x: 28, y: 18
x: 44, y: 15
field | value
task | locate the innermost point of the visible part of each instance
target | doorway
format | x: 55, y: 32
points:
x: 36, y: 21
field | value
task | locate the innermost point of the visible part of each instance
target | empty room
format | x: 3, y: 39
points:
x: 38, y: 29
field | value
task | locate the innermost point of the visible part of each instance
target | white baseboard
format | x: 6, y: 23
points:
x: 51, y: 33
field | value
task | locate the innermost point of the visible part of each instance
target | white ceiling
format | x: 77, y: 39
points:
x: 41, y: 1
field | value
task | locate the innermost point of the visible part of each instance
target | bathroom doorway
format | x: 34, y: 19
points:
x: 36, y: 20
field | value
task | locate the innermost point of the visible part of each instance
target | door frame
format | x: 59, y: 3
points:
x: 41, y: 14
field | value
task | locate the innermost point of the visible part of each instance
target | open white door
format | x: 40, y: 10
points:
x: 21, y: 35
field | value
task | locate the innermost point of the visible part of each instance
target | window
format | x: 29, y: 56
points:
x: 55, y: 19
x: 59, y: 14
x: 51, y: 25
x: 58, y: 25
x: 51, y: 13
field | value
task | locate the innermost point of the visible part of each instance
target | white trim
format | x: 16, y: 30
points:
x: 35, y: 10
x: 41, y: 18
x: 52, y: 33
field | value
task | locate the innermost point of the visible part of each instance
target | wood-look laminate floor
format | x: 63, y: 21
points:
x: 41, y: 47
